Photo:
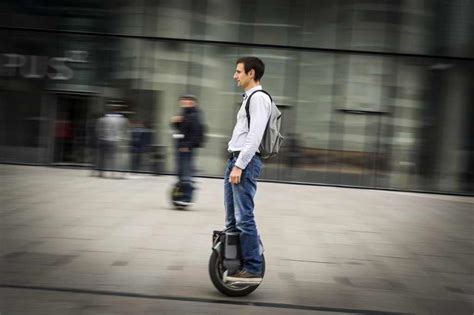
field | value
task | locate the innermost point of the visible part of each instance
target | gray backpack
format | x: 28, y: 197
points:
x: 272, y: 139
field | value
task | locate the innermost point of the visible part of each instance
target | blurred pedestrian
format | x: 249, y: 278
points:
x: 111, y: 130
x: 244, y: 167
x: 140, y: 140
x: 188, y: 136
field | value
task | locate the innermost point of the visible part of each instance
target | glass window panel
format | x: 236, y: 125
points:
x: 314, y: 110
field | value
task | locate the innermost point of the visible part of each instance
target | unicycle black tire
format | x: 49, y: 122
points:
x: 216, y: 271
x: 175, y: 195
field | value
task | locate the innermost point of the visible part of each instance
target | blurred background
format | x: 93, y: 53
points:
x: 373, y: 93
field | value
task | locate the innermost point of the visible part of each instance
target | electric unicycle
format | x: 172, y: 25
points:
x: 226, y: 260
x: 181, y: 194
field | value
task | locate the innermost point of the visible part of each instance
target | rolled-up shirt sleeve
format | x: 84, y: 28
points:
x: 259, y: 114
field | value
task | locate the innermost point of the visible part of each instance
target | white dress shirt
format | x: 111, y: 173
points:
x: 244, y: 140
x: 112, y: 127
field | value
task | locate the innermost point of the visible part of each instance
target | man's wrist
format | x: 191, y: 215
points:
x: 237, y: 164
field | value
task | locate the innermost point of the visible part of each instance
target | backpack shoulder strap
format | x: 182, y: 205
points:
x: 247, y: 105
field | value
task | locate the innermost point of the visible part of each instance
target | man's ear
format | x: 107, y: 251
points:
x: 252, y: 74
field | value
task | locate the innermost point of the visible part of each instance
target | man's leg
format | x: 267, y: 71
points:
x: 184, y: 178
x: 94, y: 159
x: 138, y: 161
x: 112, y: 158
x: 189, y: 173
x: 229, y: 197
x: 180, y: 165
x: 102, y: 157
x: 244, y: 194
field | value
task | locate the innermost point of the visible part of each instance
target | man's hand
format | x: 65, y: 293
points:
x: 235, y: 174
x: 183, y: 149
x: 176, y: 119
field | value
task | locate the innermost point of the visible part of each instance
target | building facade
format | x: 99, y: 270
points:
x: 373, y: 93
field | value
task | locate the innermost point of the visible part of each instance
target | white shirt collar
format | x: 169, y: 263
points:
x: 255, y: 88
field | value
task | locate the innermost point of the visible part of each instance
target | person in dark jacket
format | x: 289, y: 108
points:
x: 188, y: 136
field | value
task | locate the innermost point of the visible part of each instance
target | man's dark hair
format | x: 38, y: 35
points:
x: 191, y: 97
x: 253, y: 63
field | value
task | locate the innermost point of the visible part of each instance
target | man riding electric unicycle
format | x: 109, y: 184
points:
x: 237, y: 264
x: 188, y: 137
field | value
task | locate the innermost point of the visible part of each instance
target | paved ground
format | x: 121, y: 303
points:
x: 76, y: 244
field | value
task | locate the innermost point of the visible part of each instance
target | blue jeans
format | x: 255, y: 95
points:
x: 239, y: 205
x: 185, y: 173
x: 185, y: 166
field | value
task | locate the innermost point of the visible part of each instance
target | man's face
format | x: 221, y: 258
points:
x: 186, y: 102
x: 243, y: 79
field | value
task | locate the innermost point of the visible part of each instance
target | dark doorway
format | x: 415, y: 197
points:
x: 72, y: 130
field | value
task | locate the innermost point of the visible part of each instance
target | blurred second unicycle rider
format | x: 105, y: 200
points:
x: 188, y: 137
